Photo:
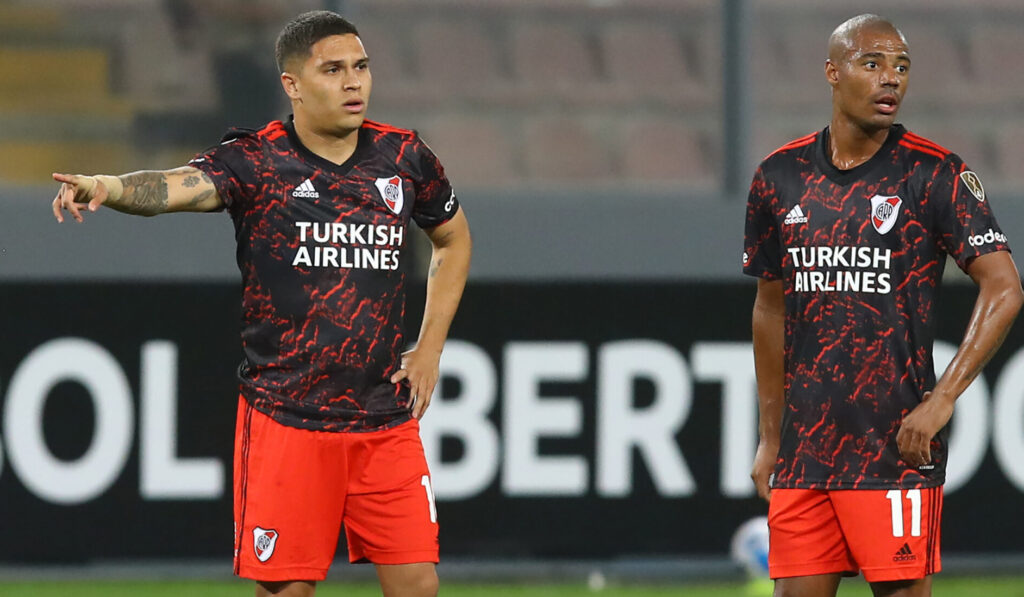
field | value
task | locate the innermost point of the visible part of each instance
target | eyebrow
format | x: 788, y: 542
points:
x: 328, y: 63
x: 876, y: 55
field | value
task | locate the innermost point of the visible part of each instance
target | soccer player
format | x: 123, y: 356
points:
x: 848, y: 230
x: 327, y: 430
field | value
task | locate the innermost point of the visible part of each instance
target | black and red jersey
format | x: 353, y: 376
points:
x: 322, y: 252
x: 861, y: 253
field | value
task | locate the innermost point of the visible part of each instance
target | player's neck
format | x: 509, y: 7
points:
x: 331, y: 146
x: 850, y: 145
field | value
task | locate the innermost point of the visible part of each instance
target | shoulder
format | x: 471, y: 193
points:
x: 244, y: 143
x: 270, y: 133
x: 402, y: 145
x: 384, y: 129
x: 927, y: 152
x: 387, y: 136
x: 785, y: 155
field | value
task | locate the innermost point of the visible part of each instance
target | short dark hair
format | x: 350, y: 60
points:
x: 297, y: 38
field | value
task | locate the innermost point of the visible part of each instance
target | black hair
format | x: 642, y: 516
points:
x: 298, y: 36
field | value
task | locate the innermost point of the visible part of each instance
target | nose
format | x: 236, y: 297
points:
x: 351, y: 80
x: 890, y: 77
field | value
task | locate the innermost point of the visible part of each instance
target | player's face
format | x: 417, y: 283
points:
x: 870, y: 80
x: 332, y: 87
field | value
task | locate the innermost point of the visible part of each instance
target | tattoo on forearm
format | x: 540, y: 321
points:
x: 190, y: 181
x: 435, y: 266
x: 145, y: 193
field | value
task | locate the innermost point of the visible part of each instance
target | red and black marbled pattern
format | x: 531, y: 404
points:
x: 858, y: 358
x: 321, y: 342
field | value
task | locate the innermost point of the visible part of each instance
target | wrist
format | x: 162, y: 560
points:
x: 115, y: 188
x: 942, y: 396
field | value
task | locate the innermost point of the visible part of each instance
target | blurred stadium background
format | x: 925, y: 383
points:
x: 602, y: 150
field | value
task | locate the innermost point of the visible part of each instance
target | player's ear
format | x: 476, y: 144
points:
x: 831, y: 72
x: 291, y: 85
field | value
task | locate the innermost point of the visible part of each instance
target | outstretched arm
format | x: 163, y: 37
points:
x: 449, y: 267
x: 144, y: 193
x: 769, y: 343
x: 999, y: 299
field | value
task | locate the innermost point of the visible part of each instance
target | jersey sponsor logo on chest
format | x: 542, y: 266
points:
x: 391, y: 192
x: 884, y: 212
x: 306, y: 190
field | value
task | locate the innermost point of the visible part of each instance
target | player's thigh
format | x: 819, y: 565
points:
x: 390, y: 515
x: 820, y: 585
x: 805, y: 538
x: 286, y: 589
x: 921, y: 587
x: 894, y: 535
x: 408, y: 580
x: 289, y: 496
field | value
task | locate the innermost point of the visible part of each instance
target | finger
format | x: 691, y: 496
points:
x: 923, y: 449
x: 99, y: 196
x: 68, y: 192
x: 901, y: 442
x: 56, y: 209
x: 762, y: 487
x: 68, y: 178
x: 422, y: 402
x: 413, y: 406
x: 74, y: 209
x: 67, y: 197
x: 399, y: 375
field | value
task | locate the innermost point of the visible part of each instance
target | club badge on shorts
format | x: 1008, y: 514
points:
x: 884, y: 212
x: 391, y: 191
x: 263, y: 542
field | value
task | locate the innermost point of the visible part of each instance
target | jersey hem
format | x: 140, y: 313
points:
x: 846, y: 485
x: 361, y: 423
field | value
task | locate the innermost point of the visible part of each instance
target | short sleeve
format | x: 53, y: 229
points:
x: 232, y: 167
x: 762, y: 250
x: 964, y: 224
x: 435, y: 199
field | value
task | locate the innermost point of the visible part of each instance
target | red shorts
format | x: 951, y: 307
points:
x: 295, y: 488
x: 887, y: 534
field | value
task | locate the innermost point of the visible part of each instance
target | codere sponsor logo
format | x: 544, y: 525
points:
x: 986, y: 239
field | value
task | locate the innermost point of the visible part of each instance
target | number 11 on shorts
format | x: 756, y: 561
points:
x: 425, y: 482
x: 895, y: 496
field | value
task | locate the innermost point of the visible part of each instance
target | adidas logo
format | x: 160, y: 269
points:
x: 904, y: 554
x: 795, y: 216
x: 306, y: 190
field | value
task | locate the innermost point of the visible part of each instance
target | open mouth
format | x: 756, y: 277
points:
x: 354, y: 105
x: 887, y: 104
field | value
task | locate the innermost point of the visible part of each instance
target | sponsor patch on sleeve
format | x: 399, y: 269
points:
x: 973, y: 184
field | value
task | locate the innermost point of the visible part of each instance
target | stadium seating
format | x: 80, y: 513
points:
x: 507, y: 92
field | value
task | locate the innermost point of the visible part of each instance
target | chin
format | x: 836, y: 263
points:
x: 878, y: 122
x: 348, y: 123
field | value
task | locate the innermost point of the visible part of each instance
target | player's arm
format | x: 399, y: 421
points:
x: 768, y: 334
x: 999, y: 300
x: 449, y: 267
x: 144, y: 193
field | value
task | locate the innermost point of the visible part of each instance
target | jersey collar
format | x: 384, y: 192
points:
x: 340, y: 170
x: 844, y: 177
